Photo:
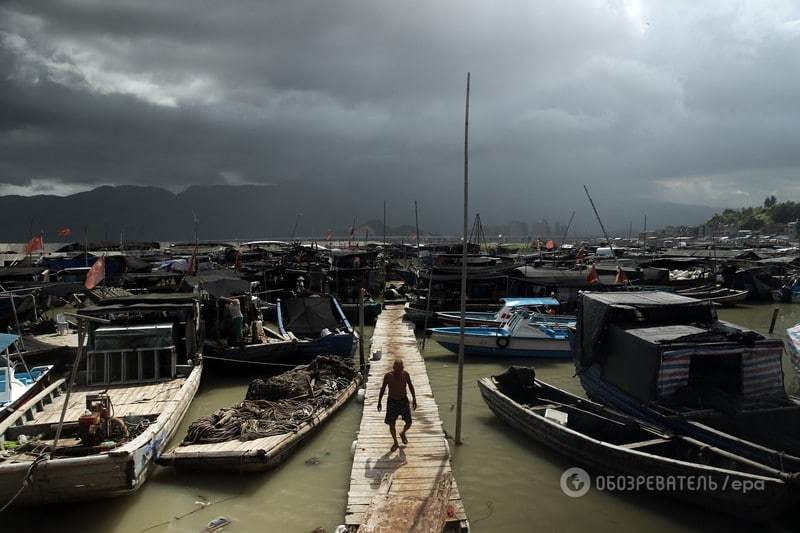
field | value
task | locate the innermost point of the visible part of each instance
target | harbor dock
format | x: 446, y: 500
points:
x: 411, y: 489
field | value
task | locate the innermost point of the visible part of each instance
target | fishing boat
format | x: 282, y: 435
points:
x: 519, y: 337
x: 134, y: 378
x: 667, y: 359
x: 717, y: 294
x: 535, y: 307
x: 258, y: 434
x: 318, y: 326
x: 17, y: 381
x: 266, y: 346
x: 610, y: 443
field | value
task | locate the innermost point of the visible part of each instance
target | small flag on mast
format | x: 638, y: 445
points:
x: 593, y: 277
x: 96, y: 274
x: 621, y: 277
x: 37, y: 243
x: 65, y: 232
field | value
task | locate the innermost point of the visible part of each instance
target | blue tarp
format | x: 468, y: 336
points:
x: 61, y: 263
x: 6, y: 340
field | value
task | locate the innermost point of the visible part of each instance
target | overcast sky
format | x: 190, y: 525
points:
x: 682, y: 101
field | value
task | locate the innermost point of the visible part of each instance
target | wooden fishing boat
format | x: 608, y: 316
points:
x: 273, y: 347
x: 133, y: 382
x: 668, y: 360
x: 715, y: 293
x: 256, y: 454
x: 520, y: 337
x: 317, y: 325
x: 609, y: 443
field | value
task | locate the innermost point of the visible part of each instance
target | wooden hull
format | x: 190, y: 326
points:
x: 120, y: 471
x: 625, y: 460
x: 601, y: 391
x: 251, y: 456
x: 244, y: 356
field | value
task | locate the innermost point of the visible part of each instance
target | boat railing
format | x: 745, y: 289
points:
x: 127, y: 366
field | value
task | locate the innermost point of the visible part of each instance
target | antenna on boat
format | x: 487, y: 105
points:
x: 605, y: 233
x: 566, y: 232
x: 460, y: 390
x: 384, y: 223
x: 296, y: 222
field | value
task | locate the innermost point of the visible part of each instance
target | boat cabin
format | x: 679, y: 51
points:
x: 672, y: 350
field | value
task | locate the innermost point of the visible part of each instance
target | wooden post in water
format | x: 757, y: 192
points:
x: 70, y: 384
x: 774, y: 319
x: 416, y: 223
x: 361, y: 361
x: 460, y: 390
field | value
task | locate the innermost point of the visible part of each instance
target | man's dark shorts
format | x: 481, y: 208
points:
x: 395, y: 408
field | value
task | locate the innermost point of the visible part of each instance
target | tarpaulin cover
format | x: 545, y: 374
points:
x: 6, y: 340
x: 307, y: 317
x: 794, y: 347
x: 218, y: 283
x: 596, y: 311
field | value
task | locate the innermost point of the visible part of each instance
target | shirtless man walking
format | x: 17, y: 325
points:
x: 397, y: 404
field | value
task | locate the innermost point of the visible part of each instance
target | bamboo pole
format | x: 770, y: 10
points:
x: 416, y: 223
x: 361, y: 360
x: 460, y: 390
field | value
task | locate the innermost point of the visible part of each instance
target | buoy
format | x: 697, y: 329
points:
x: 446, y: 448
x: 360, y: 395
x: 353, y: 447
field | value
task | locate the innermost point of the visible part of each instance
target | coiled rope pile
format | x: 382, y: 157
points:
x: 281, y: 404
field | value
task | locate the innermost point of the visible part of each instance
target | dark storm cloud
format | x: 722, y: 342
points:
x: 677, y: 101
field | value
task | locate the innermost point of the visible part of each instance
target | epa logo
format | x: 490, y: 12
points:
x: 575, y: 482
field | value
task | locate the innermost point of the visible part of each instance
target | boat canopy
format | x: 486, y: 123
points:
x: 532, y: 302
x: 598, y: 310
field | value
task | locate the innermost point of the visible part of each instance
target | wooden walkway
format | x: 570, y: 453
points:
x: 416, y: 471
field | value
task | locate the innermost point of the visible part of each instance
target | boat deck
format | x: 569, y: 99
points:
x: 139, y: 399
x: 416, y: 469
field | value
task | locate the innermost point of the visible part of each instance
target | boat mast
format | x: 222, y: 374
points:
x: 460, y: 393
x: 416, y: 223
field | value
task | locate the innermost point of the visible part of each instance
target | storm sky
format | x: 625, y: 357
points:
x: 676, y: 101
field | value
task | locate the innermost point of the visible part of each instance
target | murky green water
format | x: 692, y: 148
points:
x: 508, y: 483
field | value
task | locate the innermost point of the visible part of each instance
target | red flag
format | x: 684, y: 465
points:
x: 96, y: 274
x: 550, y: 245
x: 37, y: 243
x: 237, y: 264
x: 65, y: 232
x: 621, y: 277
x: 329, y: 235
x: 593, y: 277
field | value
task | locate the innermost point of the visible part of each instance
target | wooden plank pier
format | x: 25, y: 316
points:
x: 411, y: 489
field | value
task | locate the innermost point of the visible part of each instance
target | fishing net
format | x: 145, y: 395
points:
x: 280, y: 404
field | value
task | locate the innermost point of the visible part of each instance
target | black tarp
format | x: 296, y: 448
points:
x: 217, y: 283
x: 307, y: 317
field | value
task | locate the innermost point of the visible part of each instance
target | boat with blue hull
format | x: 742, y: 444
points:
x: 318, y: 326
x: 520, y: 337
x: 667, y: 359
x: 533, y: 307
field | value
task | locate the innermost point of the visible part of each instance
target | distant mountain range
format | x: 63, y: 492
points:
x: 270, y: 211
